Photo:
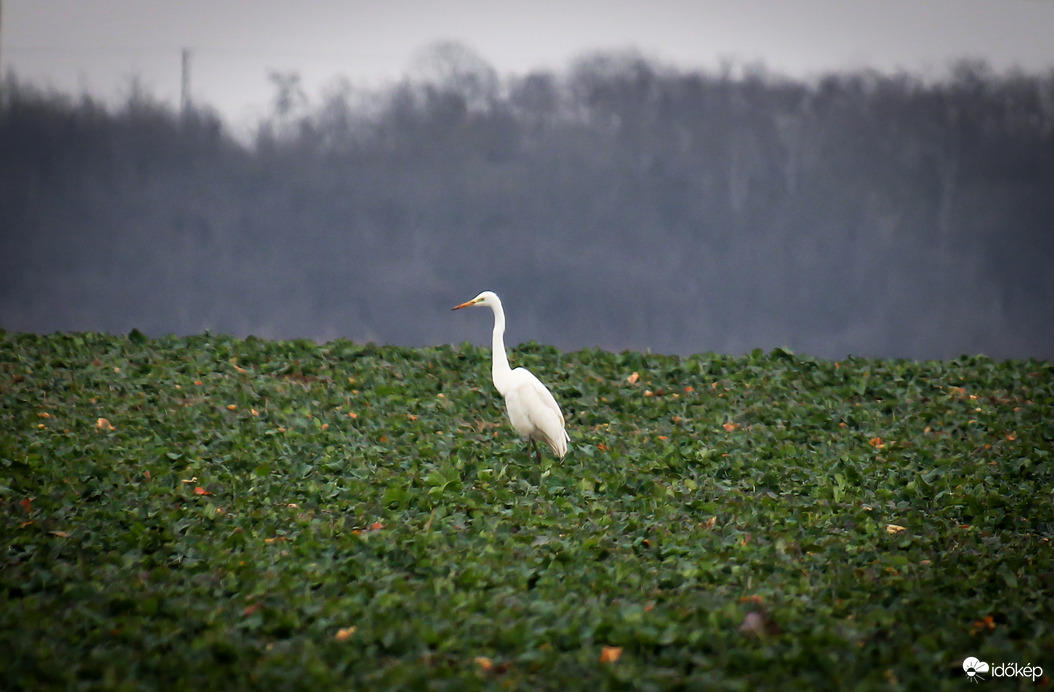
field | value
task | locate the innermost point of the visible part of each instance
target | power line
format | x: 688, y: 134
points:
x: 261, y: 53
x: 92, y: 50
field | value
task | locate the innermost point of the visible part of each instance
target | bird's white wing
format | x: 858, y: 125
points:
x: 534, y: 412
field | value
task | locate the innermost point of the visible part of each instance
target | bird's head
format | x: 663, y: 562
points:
x: 486, y: 298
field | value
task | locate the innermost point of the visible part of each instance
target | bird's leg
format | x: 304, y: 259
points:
x: 537, y: 452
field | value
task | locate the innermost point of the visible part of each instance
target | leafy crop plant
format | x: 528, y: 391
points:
x: 217, y: 513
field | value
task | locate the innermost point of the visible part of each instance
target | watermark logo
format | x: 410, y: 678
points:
x: 976, y: 669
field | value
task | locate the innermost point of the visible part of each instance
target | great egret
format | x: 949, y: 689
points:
x: 532, y: 409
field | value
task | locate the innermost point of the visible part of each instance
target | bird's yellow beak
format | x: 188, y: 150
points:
x: 464, y: 305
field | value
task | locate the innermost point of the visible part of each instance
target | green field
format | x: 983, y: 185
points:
x: 216, y: 513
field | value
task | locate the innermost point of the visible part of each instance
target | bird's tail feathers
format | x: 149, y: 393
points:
x: 559, y: 445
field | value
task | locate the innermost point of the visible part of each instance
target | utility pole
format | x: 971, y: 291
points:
x: 184, y: 95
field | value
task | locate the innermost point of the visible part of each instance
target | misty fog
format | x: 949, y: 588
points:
x: 618, y: 204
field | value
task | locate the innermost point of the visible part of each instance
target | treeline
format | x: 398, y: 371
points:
x: 617, y: 204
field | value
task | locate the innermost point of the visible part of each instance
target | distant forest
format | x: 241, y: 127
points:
x: 619, y: 204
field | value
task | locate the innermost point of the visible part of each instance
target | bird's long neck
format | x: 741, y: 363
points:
x: 499, y: 369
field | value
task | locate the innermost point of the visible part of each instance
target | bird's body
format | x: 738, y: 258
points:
x: 532, y: 409
x: 534, y: 413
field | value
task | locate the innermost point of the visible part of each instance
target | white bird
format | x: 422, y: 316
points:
x: 532, y: 409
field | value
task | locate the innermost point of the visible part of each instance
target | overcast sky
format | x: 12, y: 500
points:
x: 99, y: 45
